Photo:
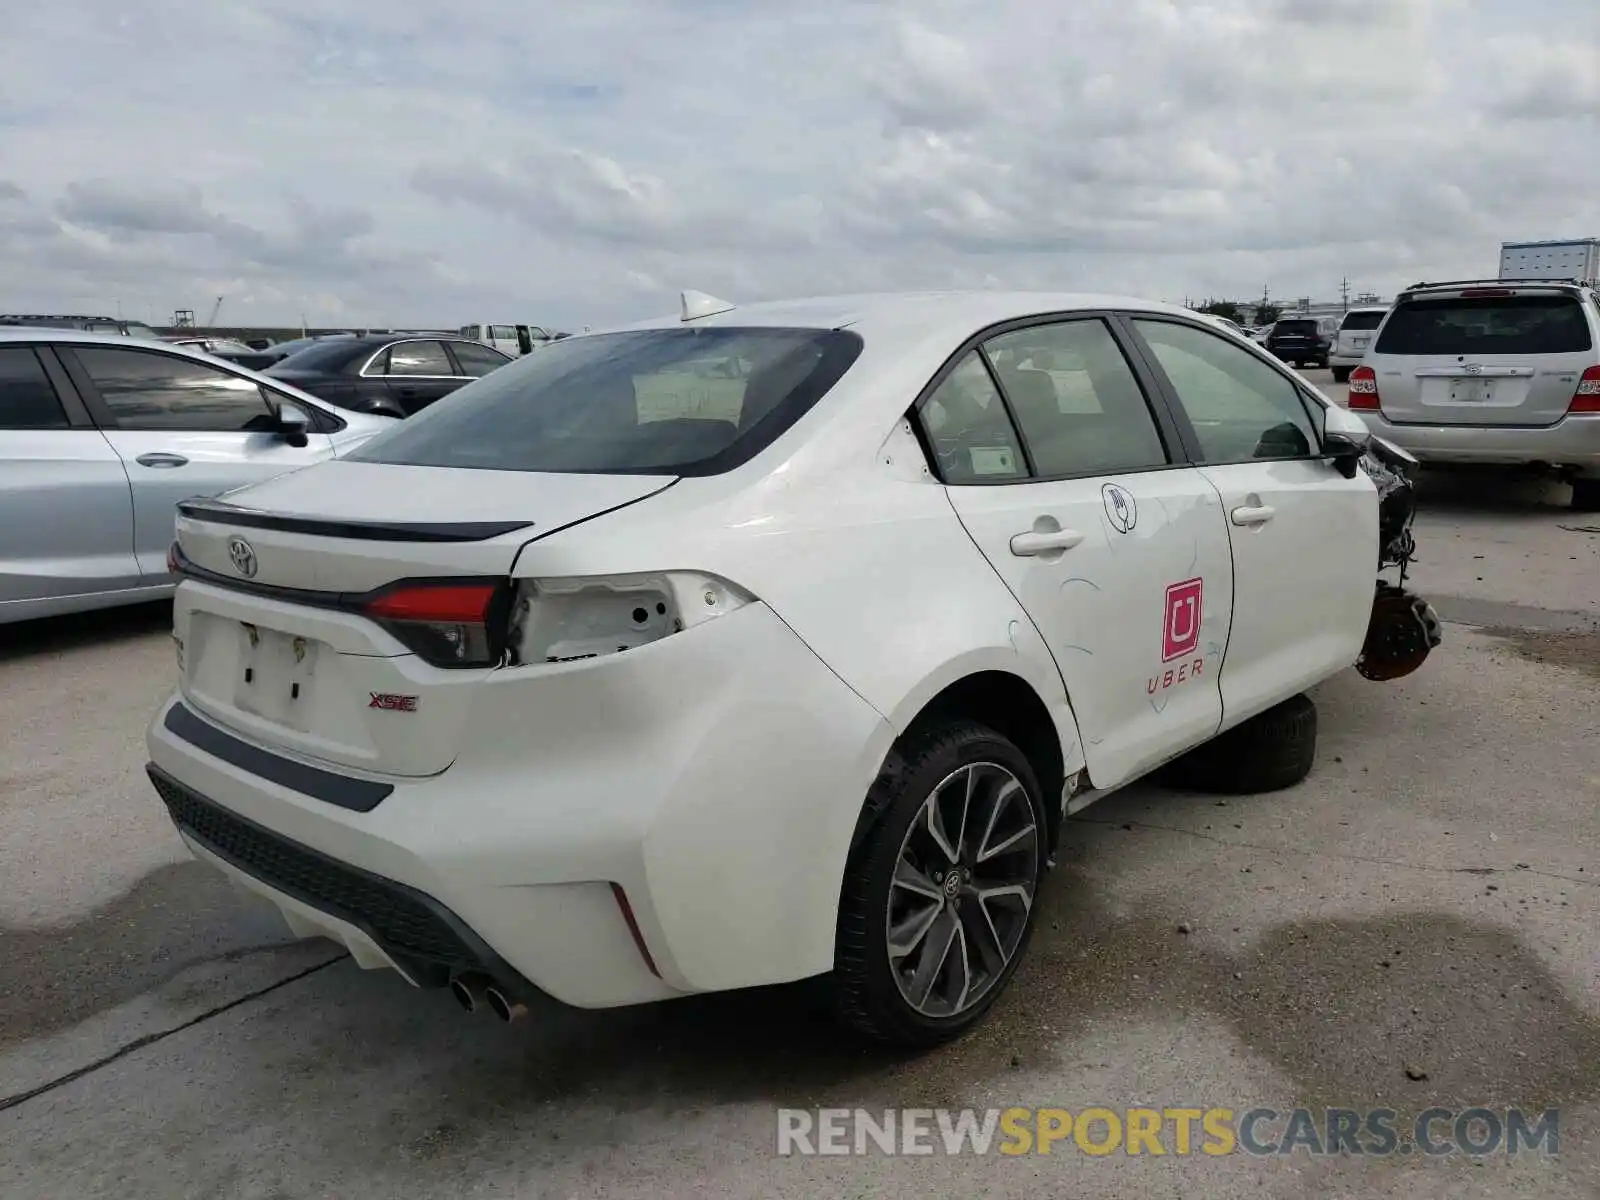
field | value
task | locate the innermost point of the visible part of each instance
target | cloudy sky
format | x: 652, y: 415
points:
x: 423, y: 163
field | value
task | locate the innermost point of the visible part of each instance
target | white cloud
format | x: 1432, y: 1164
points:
x: 576, y: 164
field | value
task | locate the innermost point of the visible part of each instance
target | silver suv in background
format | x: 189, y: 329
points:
x: 1351, y: 340
x: 1490, y: 371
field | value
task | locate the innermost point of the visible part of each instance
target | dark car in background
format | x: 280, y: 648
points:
x: 1301, y: 341
x: 387, y: 373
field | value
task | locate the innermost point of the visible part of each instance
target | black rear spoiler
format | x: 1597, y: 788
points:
x: 217, y: 512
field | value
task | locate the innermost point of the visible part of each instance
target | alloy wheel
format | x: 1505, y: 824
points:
x: 963, y: 889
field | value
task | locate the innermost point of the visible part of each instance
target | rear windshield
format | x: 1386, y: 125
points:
x: 1297, y: 327
x: 1362, y: 320
x: 331, y: 355
x: 657, y: 401
x: 1486, y: 325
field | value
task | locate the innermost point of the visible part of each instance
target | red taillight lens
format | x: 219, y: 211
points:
x: 172, y: 559
x: 448, y: 624
x: 1364, y: 390
x: 1587, y: 398
x: 1479, y: 292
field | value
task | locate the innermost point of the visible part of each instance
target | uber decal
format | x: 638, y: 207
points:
x: 1180, y: 636
x: 1181, y: 633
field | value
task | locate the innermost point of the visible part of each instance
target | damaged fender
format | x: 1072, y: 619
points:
x: 1403, y: 629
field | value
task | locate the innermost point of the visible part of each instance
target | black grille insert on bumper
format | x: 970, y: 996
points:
x: 422, y: 936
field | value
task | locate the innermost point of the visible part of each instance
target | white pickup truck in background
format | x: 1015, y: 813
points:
x: 511, y: 339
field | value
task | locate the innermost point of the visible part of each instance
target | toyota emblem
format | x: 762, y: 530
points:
x: 243, y: 556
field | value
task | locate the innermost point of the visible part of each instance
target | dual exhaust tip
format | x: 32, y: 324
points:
x: 477, y: 992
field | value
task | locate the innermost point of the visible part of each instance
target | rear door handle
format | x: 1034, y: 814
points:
x: 1253, y: 514
x: 162, y: 458
x: 1027, y: 545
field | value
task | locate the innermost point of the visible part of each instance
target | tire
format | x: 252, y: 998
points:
x: 1268, y: 753
x: 869, y: 993
x: 1341, y: 374
x: 1586, y: 495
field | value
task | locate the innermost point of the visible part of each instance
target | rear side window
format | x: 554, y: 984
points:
x: 27, y: 400
x: 966, y: 424
x: 1362, y: 320
x: 656, y: 401
x: 503, y: 333
x: 1485, y: 325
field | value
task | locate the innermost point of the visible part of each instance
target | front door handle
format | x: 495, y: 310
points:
x: 1027, y: 545
x: 162, y: 458
x: 1253, y: 514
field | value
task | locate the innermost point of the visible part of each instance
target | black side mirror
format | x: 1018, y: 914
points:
x: 294, y: 425
x: 1345, y: 452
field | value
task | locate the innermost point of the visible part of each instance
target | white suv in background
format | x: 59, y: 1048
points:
x: 1495, y: 371
x: 1351, y: 340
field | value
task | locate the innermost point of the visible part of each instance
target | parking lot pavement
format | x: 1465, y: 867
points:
x: 1339, y: 393
x: 1424, y: 905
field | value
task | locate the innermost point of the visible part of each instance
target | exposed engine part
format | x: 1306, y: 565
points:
x: 1402, y: 633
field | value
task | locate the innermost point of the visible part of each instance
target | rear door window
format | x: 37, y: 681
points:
x: 658, y: 401
x: 1076, y: 399
x: 148, y: 390
x: 1485, y: 325
x: 420, y: 358
x: 27, y: 399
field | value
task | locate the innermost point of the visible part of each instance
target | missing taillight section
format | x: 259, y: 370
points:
x: 565, y: 620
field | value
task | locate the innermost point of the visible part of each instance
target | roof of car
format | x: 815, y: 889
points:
x: 51, y: 333
x: 952, y: 310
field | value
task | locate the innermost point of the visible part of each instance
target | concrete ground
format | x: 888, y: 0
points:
x: 1426, y: 900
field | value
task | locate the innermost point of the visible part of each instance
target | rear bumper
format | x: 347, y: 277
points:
x: 1298, y: 353
x: 715, y: 776
x: 1572, y: 442
x: 1345, y: 359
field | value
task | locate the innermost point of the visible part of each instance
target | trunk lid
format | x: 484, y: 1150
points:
x: 1484, y: 356
x: 273, y: 639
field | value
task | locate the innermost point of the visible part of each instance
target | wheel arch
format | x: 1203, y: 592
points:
x: 1006, y: 696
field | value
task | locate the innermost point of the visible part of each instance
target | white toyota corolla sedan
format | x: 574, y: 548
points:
x: 760, y: 644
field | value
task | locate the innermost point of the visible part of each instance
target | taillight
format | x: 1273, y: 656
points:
x: 1364, y: 389
x: 1481, y: 292
x: 172, y: 559
x: 450, y: 623
x: 1587, y: 398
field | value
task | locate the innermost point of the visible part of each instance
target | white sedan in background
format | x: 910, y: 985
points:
x: 101, y: 435
x: 758, y: 644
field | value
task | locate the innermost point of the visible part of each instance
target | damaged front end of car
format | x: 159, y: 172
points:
x: 1404, y: 629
